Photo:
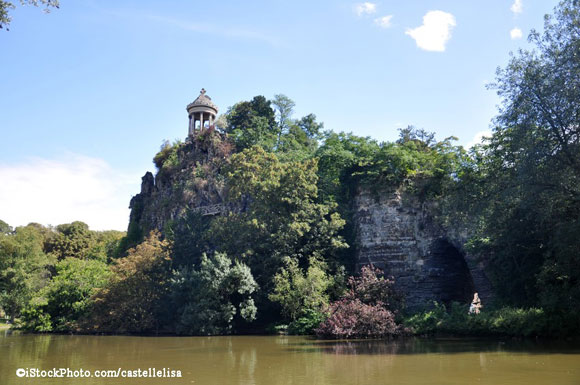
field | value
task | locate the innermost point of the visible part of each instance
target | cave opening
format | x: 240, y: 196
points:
x: 454, y: 282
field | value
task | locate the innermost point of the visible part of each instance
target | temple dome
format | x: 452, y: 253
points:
x: 202, y: 113
x: 202, y: 101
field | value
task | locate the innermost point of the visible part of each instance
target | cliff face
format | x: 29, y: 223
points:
x: 189, y: 178
x: 397, y: 234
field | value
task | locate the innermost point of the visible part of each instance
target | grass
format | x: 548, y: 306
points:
x: 505, y: 321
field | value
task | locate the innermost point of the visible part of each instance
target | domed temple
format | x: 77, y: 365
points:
x: 202, y: 113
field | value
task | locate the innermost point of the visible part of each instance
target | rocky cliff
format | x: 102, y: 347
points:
x: 399, y: 235
x: 188, y: 178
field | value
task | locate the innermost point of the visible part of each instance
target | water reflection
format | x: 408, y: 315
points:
x: 440, y: 346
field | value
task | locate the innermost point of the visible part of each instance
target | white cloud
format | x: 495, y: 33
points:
x: 75, y: 187
x: 384, y: 22
x: 435, y: 31
x: 517, y: 6
x: 478, y: 138
x: 516, y: 33
x: 365, y: 8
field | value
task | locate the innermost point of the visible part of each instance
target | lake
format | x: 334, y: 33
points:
x: 272, y: 360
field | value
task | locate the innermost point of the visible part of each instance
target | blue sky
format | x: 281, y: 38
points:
x: 92, y: 89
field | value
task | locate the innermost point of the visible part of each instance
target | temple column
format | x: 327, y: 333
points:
x: 201, y: 120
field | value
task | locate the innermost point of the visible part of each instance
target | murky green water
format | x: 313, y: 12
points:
x: 291, y: 360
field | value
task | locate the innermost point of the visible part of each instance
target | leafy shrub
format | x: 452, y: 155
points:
x: 351, y: 318
x: 212, y: 299
x: 301, y: 292
x: 363, y: 312
x: 307, y: 323
x: 34, y: 318
x: 372, y: 288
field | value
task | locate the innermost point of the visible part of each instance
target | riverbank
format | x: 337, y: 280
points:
x: 500, y: 322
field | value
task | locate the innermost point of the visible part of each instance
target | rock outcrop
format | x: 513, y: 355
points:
x: 398, y: 234
x: 188, y: 179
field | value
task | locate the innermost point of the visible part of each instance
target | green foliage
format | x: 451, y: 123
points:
x: 107, y: 245
x: 72, y: 240
x: 190, y: 239
x: 284, y: 107
x: 34, y: 318
x: 505, y: 321
x: 216, y: 298
x: 5, y: 228
x: 519, y: 193
x: 167, y: 159
x: 23, y: 268
x: 252, y: 123
x: 301, y: 292
x: 131, y: 302
x: 281, y: 216
x: 416, y: 161
x: 305, y: 324
x: 67, y: 297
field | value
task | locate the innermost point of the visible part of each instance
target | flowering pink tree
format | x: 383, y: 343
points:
x: 364, y: 311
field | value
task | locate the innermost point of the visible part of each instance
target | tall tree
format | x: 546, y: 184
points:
x: 23, y: 268
x: 252, y: 123
x: 284, y: 107
x: 531, y: 167
x: 132, y: 301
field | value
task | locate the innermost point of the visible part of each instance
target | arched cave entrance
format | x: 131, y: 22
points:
x: 452, y: 280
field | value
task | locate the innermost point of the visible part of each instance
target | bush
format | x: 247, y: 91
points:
x: 372, y: 288
x: 306, y: 324
x: 215, y: 298
x: 301, y: 293
x: 364, y: 311
x: 351, y: 318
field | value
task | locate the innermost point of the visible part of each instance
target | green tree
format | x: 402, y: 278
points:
x: 216, y: 298
x: 525, y: 180
x: 5, y: 228
x: 284, y: 107
x: 23, y: 268
x: 282, y: 217
x: 132, y: 301
x: 278, y: 217
x: 300, y: 141
x: 67, y: 297
x: 72, y: 240
x: 252, y: 123
x: 299, y: 291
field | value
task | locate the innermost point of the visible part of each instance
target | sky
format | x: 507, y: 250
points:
x: 91, y: 90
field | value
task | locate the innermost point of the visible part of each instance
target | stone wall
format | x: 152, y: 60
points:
x: 397, y: 234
